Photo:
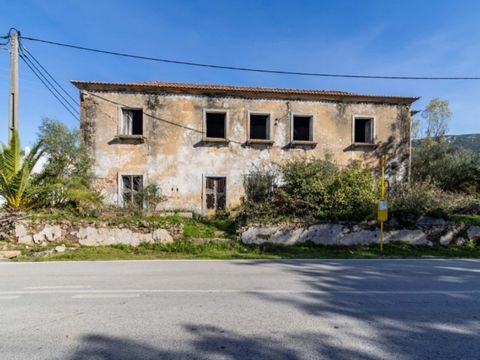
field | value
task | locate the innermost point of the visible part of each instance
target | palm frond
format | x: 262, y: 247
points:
x: 16, y: 173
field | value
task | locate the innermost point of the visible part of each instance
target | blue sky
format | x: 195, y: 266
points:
x: 424, y: 38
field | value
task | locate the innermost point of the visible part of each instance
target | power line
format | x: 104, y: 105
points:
x: 49, y: 83
x: 27, y: 58
x: 30, y: 55
x: 257, y: 70
x: 22, y: 56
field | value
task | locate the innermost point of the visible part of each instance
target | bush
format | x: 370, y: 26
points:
x: 259, y: 185
x: 311, y: 190
x: 353, y: 193
x: 151, y: 196
x: 449, y: 168
x: 409, y: 202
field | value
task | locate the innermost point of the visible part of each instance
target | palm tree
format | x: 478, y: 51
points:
x: 15, y: 172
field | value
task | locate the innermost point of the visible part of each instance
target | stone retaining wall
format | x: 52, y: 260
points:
x: 427, y: 232
x: 28, y: 232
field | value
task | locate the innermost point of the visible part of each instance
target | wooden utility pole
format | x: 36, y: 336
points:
x: 13, y: 100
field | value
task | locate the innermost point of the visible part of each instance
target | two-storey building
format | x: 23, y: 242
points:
x: 197, y: 142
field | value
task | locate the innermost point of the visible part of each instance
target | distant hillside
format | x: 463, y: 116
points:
x: 468, y: 141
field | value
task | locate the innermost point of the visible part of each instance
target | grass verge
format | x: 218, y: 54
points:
x: 236, y: 250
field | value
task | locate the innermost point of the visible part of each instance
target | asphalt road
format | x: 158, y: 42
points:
x: 312, y: 309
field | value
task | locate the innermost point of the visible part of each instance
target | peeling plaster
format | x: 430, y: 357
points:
x: 174, y: 157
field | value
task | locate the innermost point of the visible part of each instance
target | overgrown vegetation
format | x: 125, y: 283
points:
x: 410, y: 201
x: 445, y: 166
x: 445, y: 183
x: 310, y: 189
x: 445, y: 178
x: 151, y: 196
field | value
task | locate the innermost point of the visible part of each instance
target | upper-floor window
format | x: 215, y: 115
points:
x: 259, y: 127
x: 302, y: 127
x: 363, y: 130
x: 215, y: 124
x: 132, y: 122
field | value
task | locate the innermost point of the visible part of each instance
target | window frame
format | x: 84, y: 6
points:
x: 373, y: 130
x: 269, y: 140
x: 121, y: 202
x: 312, y: 140
x: 205, y: 138
x: 120, y: 123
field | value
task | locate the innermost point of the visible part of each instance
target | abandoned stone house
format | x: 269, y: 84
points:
x: 198, y: 142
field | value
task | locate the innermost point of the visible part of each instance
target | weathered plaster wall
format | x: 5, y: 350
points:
x: 174, y: 156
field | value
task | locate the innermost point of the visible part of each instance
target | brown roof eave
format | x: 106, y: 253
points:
x: 250, y: 92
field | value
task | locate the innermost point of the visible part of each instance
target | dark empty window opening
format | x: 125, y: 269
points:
x: 363, y: 130
x: 259, y: 127
x: 132, y: 122
x: 132, y: 186
x: 302, y: 129
x: 216, y: 124
x: 215, y: 191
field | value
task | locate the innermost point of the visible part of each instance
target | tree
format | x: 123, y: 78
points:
x: 437, y: 114
x: 416, y: 130
x: 448, y: 167
x: 16, y: 172
x: 65, y: 179
x: 66, y: 152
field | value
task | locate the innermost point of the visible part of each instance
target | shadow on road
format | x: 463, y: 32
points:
x: 210, y: 342
x: 429, y: 314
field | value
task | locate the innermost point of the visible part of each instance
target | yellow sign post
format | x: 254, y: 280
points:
x: 382, y: 210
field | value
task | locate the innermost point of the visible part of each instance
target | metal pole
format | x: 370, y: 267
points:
x: 382, y: 181
x: 381, y: 236
x: 13, y: 98
x: 383, y: 178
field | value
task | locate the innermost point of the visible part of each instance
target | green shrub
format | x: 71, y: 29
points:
x: 305, y: 187
x: 410, y: 201
x: 449, y: 168
x: 353, y: 193
x: 259, y: 185
x: 312, y: 190
x: 151, y: 196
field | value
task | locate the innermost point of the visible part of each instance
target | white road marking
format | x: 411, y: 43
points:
x: 105, y: 296
x: 9, y: 297
x: 56, y: 287
x: 237, y: 291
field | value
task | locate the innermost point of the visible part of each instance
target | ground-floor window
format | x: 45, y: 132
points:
x: 132, y: 186
x: 215, y: 191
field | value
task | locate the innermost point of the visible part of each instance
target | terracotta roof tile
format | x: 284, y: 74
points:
x: 238, y: 90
